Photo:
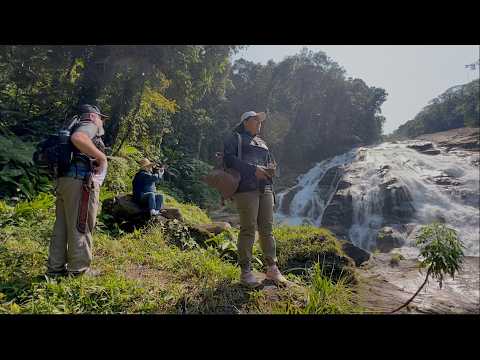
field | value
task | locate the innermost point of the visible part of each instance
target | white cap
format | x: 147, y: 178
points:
x: 246, y: 115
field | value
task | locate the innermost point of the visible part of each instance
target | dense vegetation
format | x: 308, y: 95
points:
x: 457, y: 107
x: 161, y: 268
x: 177, y: 103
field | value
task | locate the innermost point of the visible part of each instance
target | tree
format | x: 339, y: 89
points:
x: 441, y: 253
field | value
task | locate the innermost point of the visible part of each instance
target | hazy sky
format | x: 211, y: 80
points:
x: 412, y: 75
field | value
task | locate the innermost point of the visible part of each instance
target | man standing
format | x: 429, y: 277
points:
x: 144, y: 191
x: 77, y: 191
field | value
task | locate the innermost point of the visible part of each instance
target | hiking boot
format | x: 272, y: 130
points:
x: 55, y: 275
x: 248, y: 279
x: 275, y: 275
x: 88, y: 273
x: 154, y: 212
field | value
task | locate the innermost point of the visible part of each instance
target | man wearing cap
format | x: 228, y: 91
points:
x: 254, y: 196
x: 78, y: 189
x: 144, y: 191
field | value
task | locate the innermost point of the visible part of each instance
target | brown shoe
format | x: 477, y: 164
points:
x: 275, y: 275
x: 249, y: 279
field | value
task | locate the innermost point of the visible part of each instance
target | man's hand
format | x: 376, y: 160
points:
x: 83, y: 143
x: 261, y: 174
x: 100, y: 165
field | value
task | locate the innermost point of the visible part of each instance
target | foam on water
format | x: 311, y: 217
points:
x: 456, y: 205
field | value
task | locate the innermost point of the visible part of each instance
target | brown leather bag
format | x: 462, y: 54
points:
x: 225, y: 180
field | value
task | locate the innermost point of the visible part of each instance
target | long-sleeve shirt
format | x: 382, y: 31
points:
x: 254, y: 152
x: 145, y: 181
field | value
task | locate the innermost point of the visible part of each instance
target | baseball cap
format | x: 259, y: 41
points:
x: 248, y: 114
x: 86, y: 108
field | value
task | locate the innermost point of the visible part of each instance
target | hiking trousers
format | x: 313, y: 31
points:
x: 153, y: 200
x: 69, y: 249
x: 256, y: 212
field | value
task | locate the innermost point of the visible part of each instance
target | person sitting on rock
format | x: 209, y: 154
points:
x: 144, y: 191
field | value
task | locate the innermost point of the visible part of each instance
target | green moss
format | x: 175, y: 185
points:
x: 300, y: 247
x: 395, y: 259
x: 190, y: 212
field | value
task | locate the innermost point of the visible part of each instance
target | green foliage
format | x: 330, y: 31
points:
x: 224, y: 245
x: 328, y: 297
x: 24, y: 213
x: 178, y: 234
x: 190, y: 212
x: 121, y: 171
x: 315, y: 112
x: 303, y: 244
x: 441, y: 251
x: 457, y: 107
x: 141, y: 271
x: 183, y: 177
x: 17, y: 175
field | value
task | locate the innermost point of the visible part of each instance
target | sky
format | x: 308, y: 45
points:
x: 412, y: 75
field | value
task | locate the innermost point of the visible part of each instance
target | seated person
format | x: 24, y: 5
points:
x: 144, y: 191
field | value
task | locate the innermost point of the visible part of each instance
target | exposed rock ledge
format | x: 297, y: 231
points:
x: 463, y: 138
x: 385, y: 287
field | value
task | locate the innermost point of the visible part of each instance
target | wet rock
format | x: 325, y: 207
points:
x: 390, y: 181
x: 385, y: 288
x: 338, y: 215
x: 343, y: 184
x: 431, y: 152
x: 445, y: 180
x: 388, y: 239
x: 397, y: 205
x: 383, y: 170
x: 287, y: 199
x: 358, y: 255
x: 421, y: 147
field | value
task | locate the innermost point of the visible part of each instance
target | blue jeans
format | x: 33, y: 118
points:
x: 153, y: 200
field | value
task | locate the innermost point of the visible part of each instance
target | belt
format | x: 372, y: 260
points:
x: 77, y: 172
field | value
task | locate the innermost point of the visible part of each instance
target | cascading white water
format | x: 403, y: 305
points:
x: 309, y: 203
x: 418, y: 173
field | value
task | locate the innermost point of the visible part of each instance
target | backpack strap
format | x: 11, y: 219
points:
x: 239, y: 150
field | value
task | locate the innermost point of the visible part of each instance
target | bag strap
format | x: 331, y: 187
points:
x: 239, y: 150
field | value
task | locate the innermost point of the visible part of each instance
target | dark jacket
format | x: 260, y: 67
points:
x: 254, y: 152
x: 143, y: 182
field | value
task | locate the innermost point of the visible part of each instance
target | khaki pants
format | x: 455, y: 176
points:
x: 69, y: 249
x: 255, y: 210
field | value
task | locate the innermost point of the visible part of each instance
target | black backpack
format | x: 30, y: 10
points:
x: 55, y: 153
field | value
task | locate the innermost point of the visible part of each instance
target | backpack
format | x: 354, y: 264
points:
x: 225, y: 180
x: 55, y: 153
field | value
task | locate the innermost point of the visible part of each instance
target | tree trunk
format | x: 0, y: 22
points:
x: 414, y: 295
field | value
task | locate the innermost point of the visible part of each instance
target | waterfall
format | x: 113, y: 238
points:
x: 391, y: 185
x: 309, y: 198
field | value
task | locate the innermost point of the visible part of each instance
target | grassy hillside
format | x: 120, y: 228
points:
x: 146, y: 271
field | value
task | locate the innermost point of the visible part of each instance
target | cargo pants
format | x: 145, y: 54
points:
x: 256, y: 211
x: 69, y: 249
